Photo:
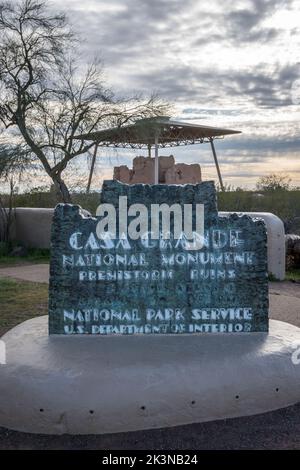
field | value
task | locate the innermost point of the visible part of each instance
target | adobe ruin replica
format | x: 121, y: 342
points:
x: 149, y: 333
x: 169, y: 172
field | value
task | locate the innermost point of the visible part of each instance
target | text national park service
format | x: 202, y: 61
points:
x: 115, y: 284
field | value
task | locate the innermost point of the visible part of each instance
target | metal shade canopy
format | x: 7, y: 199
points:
x: 158, y: 132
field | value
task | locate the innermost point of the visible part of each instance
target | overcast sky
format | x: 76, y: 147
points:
x: 234, y: 64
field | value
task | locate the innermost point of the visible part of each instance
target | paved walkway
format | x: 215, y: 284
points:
x: 31, y: 272
x: 285, y: 301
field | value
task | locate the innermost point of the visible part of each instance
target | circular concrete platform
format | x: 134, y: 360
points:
x: 97, y: 385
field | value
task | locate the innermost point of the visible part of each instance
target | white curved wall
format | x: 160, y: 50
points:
x: 276, y: 241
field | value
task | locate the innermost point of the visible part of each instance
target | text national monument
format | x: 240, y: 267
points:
x: 157, y: 259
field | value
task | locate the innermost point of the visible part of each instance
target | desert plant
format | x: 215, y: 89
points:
x: 7, y: 214
x: 273, y: 182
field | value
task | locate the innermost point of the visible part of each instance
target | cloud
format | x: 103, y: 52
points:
x: 246, y: 24
x: 222, y: 63
x: 260, y: 86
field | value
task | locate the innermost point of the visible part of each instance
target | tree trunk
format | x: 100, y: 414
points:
x: 56, y: 177
x: 61, y: 188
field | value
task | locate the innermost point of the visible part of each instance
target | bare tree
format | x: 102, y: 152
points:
x: 44, y: 95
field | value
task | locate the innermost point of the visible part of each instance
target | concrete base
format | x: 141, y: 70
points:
x: 97, y: 385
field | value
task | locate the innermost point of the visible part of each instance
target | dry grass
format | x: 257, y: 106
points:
x: 34, y: 256
x: 21, y: 300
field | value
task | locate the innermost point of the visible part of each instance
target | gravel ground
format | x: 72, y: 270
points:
x: 276, y: 430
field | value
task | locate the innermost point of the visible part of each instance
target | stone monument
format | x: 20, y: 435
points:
x: 149, y: 286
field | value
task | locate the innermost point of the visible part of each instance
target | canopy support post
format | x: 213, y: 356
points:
x: 156, y: 161
x: 216, y: 163
x: 92, y: 168
x: 149, y: 150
